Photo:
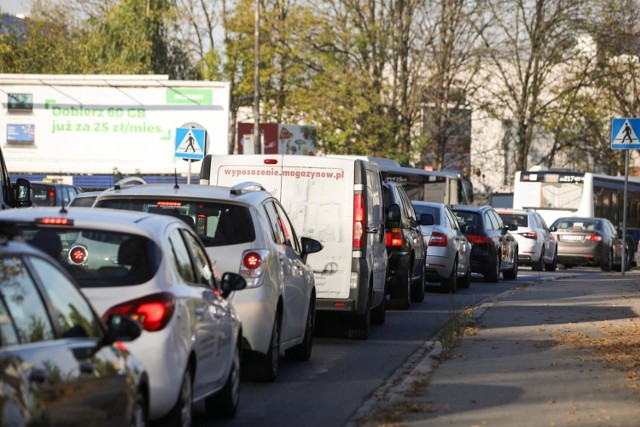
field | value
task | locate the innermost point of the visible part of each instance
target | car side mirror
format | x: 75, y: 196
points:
x: 230, y: 282
x: 553, y: 228
x: 23, y: 193
x: 121, y: 328
x: 619, y: 233
x: 393, y: 215
x: 426, y: 219
x: 310, y: 246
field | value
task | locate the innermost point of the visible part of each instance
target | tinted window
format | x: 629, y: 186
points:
x: 428, y: 210
x: 85, y: 202
x: 73, y: 314
x: 97, y: 258
x: 217, y: 223
x: 28, y: 319
x: 202, y: 268
x: 466, y: 218
x: 43, y: 194
x: 522, y: 220
x: 181, y: 258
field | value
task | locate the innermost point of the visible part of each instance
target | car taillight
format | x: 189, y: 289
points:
x: 593, y: 237
x: 393, y: 237
x: 78, y: 255
x: 358, y: 220
x: 438, y: 239
x: 530, y: 235
x: 153, y: 311
x: 252, y: 260
x: 474, y: 239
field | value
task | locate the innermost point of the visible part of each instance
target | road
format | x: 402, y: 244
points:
x: 328, y: 389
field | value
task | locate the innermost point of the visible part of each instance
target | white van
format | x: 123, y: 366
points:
x: 338, y: 202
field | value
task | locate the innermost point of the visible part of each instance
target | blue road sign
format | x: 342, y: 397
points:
x: 190, y: 143
x: 624, y: 133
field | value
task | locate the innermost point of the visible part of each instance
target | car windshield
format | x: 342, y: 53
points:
x: 97, y: 258
x: 512, y: 218
x: 217, y: 223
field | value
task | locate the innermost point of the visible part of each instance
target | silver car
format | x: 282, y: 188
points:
x: 448, y: 250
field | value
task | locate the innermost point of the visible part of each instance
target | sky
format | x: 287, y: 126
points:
x: 15, y: 7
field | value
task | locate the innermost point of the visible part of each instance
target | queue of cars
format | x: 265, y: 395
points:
x: 149, y: 260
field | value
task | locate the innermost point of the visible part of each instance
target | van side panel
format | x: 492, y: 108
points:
x: 317, y: 195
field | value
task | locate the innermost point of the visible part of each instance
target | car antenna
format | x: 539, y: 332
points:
x: 63, y: 209
x: 175, y: 175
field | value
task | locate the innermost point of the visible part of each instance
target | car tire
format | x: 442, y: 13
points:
x: 181, y: 413
x: 224, y: 403
x: 554, y: 264
x: 139, y: 413
x: 492, y: 273
x: 264, y: 367
x: 404, y: 291
x: 608, y: 263
x: 359, y: 325
x: 465, y: 281
x: 512, y: 274
x: 302, y: 351
x: 379, y: 313
x: 417, y: 286
x: 450, y: 284
x: 539, y: 265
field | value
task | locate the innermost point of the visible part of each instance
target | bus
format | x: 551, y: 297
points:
x: 557, y: 193
x: 446, y: 187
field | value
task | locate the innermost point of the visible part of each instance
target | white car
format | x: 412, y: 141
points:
x: 448, y: 258
x: 537, y: 246
x: 154, y: 269
x: 245, y: 230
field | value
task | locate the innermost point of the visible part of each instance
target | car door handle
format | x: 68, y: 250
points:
x: 38, y: 375
x: 372, y: 230
x: 87, y: 367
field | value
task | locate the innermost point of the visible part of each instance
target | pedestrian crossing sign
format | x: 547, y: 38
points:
x: 190, y: 143
x: 624, y: 133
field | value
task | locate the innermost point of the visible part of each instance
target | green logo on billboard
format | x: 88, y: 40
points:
x: 190, y: 96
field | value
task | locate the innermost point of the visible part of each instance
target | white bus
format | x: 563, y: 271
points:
x: 425, y: 185
x: 558, y: 193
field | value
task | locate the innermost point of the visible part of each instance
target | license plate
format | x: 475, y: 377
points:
x: 571, y: 238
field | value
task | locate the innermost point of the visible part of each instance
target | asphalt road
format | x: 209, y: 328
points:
x: 329, y: 388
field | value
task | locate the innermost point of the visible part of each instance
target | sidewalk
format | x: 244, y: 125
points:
x: 544, y: 354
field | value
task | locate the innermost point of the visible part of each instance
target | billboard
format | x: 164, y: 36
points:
x: 278, y: 139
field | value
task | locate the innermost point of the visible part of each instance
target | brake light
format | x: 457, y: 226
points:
x: 252, y: 260
x: 393, y: 237
x: 358, y: 220
x: 530, y: 235
x: 593, y: 237
x: 154, y: 311
x: 52, y: 196
x: 438, y: 239
x: 474, y: 239
x: 78, y: 255
x: 169, y: 203
x: 54, y: 221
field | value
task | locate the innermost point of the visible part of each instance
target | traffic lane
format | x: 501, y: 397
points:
x: 329, y: 388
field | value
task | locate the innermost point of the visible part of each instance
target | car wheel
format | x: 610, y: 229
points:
x: 608, y: 263
x: 302, y: 351
x: 404, y: 293
x: 139, y: 412
x: 417, y: 286
x: 264, y: 367
x: 492, y: 274
x: 359, y: 325
x: 465, y: 281
x: 512, y: 274
x: 224, y: 403
x: 538, y: 266
x: 554, y: 264
x: 450, y: 284
x: 180, y: 415
x: 379, y: 313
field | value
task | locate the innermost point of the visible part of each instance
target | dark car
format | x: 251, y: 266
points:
x: 53, y: 193
x: 494, y: 249
x: 406, y: 249
x: 589, y: 241
x: 60, y: 364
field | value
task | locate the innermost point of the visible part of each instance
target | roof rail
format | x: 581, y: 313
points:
x: 129, y: 182
x: 246, y: 186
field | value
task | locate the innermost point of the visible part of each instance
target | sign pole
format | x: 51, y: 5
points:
x: 189, y: 174
x: 624, y: 212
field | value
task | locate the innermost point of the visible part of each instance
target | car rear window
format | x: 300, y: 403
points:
x: 98, y: 258
x: 521, y: 219
x: 217, y: 223
x: 465, y: 218
x: 428, y: 210
x: 43, y: 195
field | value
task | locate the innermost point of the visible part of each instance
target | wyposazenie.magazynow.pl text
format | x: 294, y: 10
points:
x: 294, y: 173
